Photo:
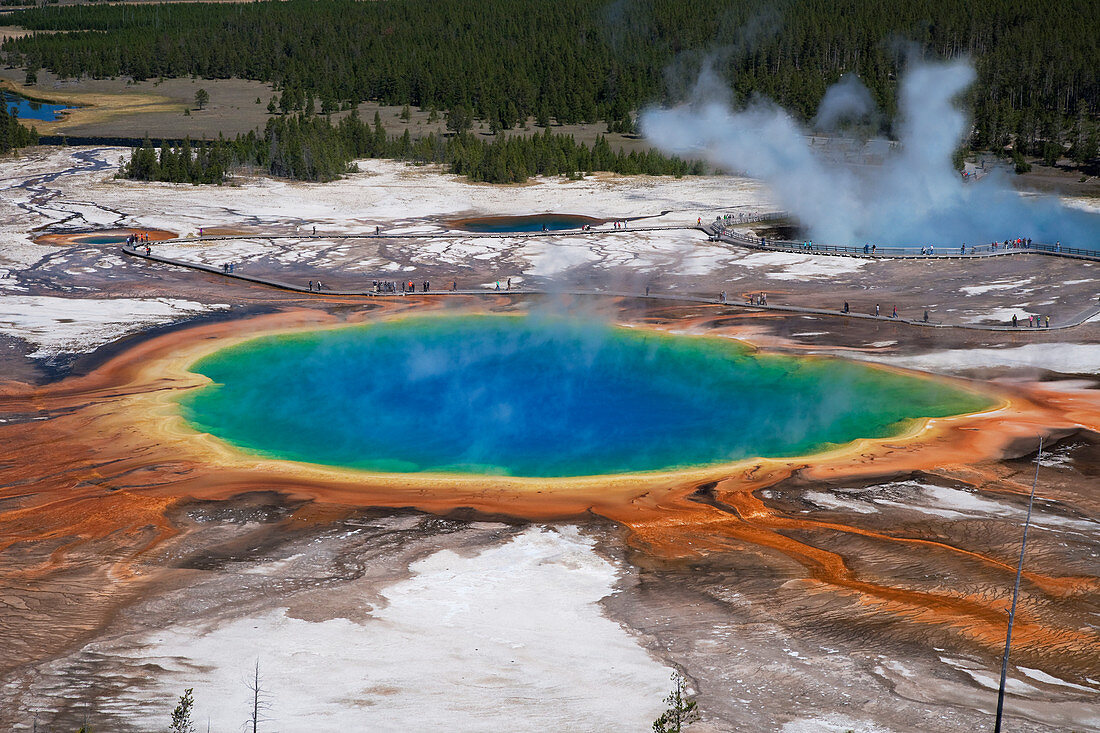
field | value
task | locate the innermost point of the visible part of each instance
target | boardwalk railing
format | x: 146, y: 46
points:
x: 146, y: 253
x: 913, y: 252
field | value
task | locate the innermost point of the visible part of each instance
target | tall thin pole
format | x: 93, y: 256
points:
x: 1016, y: 594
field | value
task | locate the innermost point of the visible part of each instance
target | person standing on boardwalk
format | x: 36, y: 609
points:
x: 877, y: 311
x: 845, y: 307
x: 1014, y: 320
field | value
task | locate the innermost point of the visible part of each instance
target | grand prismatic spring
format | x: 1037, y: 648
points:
x: 544, y: 397
x: 563, y: 492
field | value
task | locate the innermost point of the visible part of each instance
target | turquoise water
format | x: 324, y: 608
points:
x: 103, y: 239
x: 529, y: 396
x: 30, y: 110
x: 532, y: 223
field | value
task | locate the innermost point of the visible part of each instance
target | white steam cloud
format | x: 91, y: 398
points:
x: 914, y: 197
x: 845, y: 102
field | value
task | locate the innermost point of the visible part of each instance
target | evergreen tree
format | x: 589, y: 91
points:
x: 680, y: 712
x: 181, y: 716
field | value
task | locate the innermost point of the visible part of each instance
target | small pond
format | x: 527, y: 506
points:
x: 526, y: 223
x: 103, y: 239
x: 28, y: 109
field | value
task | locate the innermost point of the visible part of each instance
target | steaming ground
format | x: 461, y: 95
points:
x: 406, y: 622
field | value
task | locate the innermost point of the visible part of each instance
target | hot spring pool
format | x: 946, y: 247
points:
x: 530, y: 223
x: 541, y: 397
x: 103, y: 239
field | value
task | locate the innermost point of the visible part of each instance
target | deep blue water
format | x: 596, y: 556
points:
x: 103, y: 239
x: 531, y: 223
x: 530, y: 396
x: 29, y: 110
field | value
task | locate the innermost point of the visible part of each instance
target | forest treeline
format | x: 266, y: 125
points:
x: 312, y: 148
x: 12, y: 134
x: 587, y: 60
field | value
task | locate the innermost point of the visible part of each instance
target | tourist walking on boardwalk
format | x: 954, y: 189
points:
x: 895, y: 313
x: 845, y: 307
x: 454, y: 285
x: 876, y: 309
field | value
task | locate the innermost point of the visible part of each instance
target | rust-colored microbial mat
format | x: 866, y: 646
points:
x: 93, y: 467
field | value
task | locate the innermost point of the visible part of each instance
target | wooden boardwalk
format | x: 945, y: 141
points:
x: 139, y: 252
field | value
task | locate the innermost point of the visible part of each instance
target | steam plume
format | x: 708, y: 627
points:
x: 914, y: 197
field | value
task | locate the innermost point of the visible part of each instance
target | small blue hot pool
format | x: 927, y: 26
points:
x: 527, y: 223
x: 103, y: 239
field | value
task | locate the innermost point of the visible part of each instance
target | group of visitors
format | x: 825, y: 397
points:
x: 755, y: 298
x: 390, y: 286
x: 228, y: 267
x: 878, y: 311
x: 137, y: 238
x: 620, y: 224
x: 315, y: 286
x: 1033, y: 321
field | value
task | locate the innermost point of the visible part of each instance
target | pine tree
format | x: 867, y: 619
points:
x: 680, y: 712
x: 181, y: 716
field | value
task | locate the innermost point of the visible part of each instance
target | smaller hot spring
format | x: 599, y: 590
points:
x: 525, y: 223
x: 103, y: 239
x: 541, y: 397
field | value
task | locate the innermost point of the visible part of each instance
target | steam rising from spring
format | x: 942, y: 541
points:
x: 913, y: 197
